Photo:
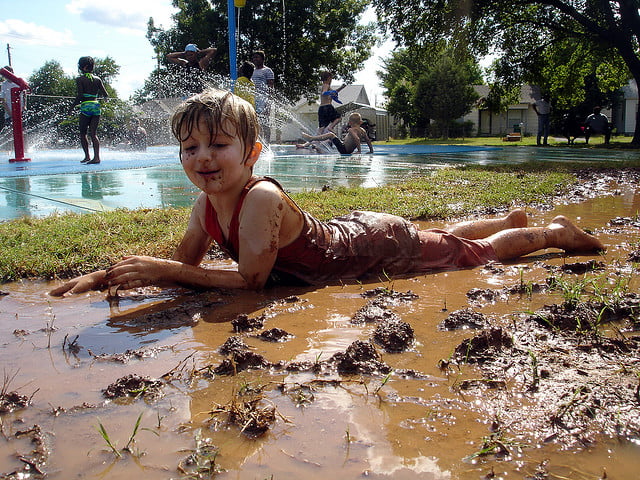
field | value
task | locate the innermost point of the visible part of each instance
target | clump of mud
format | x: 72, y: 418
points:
x: 390, y: 296
x: 625, y: 221
x: 463, y: 319
x: 134, y: 386
x: 374, y: 311
x: 12, y: 401
x: 242, y: 360
x: 243, y: 323
x: 252, y: 418
x: 275, y: 335
x: 484, y: 346
x: 578, y: 268
x: 128, y: 355
x: 360, y: 358
x: 233, y: 345
x: 394, y: 336
x: 634, y: 256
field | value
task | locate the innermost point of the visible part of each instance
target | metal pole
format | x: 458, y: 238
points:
x: 233, y: 54
x: 16, y: 113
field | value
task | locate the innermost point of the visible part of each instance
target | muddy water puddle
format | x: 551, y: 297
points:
x: 335, y: 395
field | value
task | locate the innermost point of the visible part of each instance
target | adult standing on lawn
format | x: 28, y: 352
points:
x: 264, y: 80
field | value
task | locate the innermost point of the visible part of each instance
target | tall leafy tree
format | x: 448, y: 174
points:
x: 444, y: 94
x: 520, y: 29
x: 52, y: 91
x: 407, y: 71
x: 299, y: 37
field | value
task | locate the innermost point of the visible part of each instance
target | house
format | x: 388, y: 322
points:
x: 625, y: 117
x: 304, y: 115
x: 519, y: 117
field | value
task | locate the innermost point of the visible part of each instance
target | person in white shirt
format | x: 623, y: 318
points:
x: 264, y: 80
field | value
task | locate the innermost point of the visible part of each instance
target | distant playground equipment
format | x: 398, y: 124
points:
x: 16, y: 113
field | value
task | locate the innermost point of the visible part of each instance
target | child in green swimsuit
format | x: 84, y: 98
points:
x: 89, y: 88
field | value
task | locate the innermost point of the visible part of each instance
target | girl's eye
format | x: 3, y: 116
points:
x: 189, y: 149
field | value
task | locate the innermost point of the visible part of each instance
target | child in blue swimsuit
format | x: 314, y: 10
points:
x: 89, y: 88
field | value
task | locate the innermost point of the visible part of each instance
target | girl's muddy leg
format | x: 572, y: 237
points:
x: 560, y: 233
x: 483, y: 228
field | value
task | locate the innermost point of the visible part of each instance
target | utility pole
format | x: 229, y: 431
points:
x: 9, y: 54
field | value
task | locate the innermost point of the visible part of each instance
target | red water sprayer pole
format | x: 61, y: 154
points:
x: 16, y: 114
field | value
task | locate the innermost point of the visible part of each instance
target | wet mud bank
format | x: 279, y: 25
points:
x: 522, y: 370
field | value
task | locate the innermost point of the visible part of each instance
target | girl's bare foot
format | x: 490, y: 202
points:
x: 571, y: 238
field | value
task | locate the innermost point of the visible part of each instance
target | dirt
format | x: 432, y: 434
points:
x: 495, y: 372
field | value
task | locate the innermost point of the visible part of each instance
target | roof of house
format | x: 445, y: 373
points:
x: 159, y: 108
x: 528, y: 93
x: 350, y: 93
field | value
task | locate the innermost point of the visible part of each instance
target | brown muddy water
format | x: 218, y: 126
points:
x: 540, y: 404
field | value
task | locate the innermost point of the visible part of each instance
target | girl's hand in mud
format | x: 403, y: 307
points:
x: 81, y: 284
x: 139, y: 271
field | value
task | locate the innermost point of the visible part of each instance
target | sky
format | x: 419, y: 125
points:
x: 65, y: 30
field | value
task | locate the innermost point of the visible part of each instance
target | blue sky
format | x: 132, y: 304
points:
x: 65, y: 30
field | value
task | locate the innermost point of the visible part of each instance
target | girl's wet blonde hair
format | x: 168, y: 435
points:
x: 220, y: 112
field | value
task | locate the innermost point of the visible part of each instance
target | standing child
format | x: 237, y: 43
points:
x: 89, y: 88
x: 355, y: 135
x: 268, y: 235
x: 328, y: 116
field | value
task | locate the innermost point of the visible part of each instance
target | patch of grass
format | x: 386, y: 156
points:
x: 71, y: 244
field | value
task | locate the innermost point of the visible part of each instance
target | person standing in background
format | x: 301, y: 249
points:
x: 542, y: 108
x: 264, y: 80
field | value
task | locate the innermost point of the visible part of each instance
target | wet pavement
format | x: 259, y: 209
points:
x: 55, y: 181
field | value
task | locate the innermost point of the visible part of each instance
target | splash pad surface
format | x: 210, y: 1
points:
x: 56, y: 181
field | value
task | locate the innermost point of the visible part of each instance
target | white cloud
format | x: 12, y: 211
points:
x: 124, y: 14
x: 19, y: 31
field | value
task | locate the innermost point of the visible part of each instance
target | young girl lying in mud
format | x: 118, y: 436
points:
x: 270, y: 236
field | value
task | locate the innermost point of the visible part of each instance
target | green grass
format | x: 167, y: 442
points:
x: 70, y: 244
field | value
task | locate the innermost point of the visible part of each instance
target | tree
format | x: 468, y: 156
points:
x: 520, y: 28
x: 52, y: 91
x: 444, y: 94
x: 405, y: 68
x: 299, y: 37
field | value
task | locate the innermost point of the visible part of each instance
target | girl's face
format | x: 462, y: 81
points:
x: 217, y: 164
